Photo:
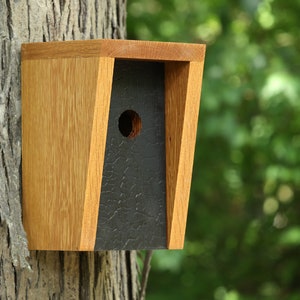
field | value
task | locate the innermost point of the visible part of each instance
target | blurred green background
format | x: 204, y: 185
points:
x: 243, y: 231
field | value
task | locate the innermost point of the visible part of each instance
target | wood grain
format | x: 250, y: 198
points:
x: 182, y: 89
x: 58, y: 108
x: 97, y: 151
x: 125, y: 49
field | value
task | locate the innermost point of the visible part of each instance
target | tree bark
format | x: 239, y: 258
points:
x: 45, y: 274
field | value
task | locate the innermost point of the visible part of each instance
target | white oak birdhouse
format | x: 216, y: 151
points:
x: 108, y: 139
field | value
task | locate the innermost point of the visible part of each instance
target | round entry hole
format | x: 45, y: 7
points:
x: 130, y: 124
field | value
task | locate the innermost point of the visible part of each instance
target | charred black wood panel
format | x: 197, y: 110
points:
x: 132, y: 212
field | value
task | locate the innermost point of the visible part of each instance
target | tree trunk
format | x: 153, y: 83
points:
x: 53, y: 275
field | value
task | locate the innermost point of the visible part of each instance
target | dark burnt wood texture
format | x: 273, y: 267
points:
x: 132, y: 211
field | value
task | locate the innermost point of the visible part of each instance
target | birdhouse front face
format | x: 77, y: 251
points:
x: 108, y: 130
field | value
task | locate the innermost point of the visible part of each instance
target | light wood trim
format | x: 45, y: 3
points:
x: 97, y: 152
x: 125, y: 49
x: 183, y: 88
x: 58, y: 102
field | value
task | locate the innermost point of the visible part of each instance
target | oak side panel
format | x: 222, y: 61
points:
x: 58, y: 108
x: 126, y: 49
x: 183, y: 88
x: 97, y: 152
x: 176, y: 80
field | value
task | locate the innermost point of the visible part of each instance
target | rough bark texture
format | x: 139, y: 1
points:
x: 53, y: 275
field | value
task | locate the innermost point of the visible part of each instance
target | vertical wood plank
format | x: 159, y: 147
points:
x: 176, y: 80
x: 183, y: 88
x: 58, y: 108
x: 97, y: 151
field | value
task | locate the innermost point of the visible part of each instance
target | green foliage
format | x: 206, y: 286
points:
x: 243, y: 232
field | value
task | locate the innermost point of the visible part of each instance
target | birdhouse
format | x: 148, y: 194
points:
x: 108, y: 139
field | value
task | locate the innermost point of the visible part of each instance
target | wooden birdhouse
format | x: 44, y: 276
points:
x: 108, y: 138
